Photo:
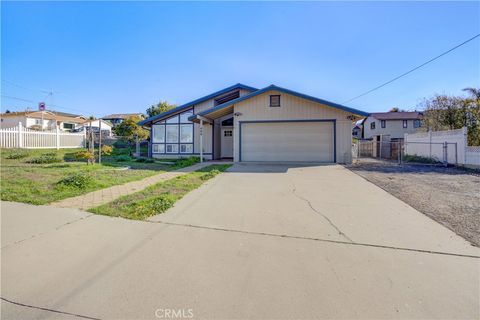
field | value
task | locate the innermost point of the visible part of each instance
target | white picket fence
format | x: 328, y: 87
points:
x: 21, y: 137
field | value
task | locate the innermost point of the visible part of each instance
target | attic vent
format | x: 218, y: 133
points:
x: 228, y: 97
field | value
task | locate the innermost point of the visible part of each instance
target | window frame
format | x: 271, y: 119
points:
x: 279, y: 100
x: 404, y: 124
x: 417, y: 123
x: 165, y: 123
x: 383, y: 123
x: 372, y: 125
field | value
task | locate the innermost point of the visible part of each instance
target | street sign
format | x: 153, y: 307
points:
x: 41, y: 106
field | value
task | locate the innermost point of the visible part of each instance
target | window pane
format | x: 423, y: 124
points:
x: 186, y: 133
x: 184, y: 116
x: 158, y: 148
x: 173, y: 119
x: 158, y: 133
x: 186, y: 148
x: 172, y: 133
x: 172, y: 148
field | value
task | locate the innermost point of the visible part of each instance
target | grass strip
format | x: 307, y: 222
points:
x: 159, y: 197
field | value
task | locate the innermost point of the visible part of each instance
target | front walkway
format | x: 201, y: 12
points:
x: 102, y: 196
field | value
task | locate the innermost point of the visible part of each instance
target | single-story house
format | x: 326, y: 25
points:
x: 250, y: 124
x: 41, y: 120
x: 117, y: 118
x: 391, y: 125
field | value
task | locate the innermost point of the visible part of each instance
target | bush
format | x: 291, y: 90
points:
x: 107, y: 150
x: 152, y: 206
x: 181, y: 163
x: 45, y: 158
x: 145, y: 160
x: 419, y: 159
x: 79, y: 180
x: 123, y: 158
x: 84, y: 155
x: 17, y: 155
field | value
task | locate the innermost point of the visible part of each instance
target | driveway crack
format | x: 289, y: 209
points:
x: 340, y: 232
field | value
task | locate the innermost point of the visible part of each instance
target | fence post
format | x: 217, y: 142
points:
x: 84, y: 137
x: 445, y: 153
x: 456, y: 154
x: 20, y: 135
x: 430, y: 144
x: 57, y: 137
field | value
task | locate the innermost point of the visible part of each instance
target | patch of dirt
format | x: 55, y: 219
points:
x: 450, y: 196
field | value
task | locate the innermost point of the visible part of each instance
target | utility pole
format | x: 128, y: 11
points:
x: 99, y: 140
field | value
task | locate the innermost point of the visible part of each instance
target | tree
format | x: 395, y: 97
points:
x: 394, y: 109
x: 128, y: 130
x: 160, y: 107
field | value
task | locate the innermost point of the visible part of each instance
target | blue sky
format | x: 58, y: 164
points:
x: 108, y: 57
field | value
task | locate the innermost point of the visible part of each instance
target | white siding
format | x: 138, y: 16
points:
x: 394, y: 128
x: 294, y: 108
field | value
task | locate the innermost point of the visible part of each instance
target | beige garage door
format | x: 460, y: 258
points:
x: 287, y: 141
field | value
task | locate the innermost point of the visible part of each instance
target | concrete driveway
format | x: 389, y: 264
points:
x: 260, y: 241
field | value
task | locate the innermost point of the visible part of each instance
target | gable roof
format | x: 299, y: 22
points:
x: 197, y: 101
x: 287, y: 91
x: 48, y: 115
x: 401, y: 115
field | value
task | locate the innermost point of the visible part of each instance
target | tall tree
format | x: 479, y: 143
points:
x: 158, y: 108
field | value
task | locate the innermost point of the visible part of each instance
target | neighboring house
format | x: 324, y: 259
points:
x: 357, y: 131
x: 391, y: 125
x: 117, y: 118
x: 95, y: 125
x: 46, y: 120
x: 249, y: 124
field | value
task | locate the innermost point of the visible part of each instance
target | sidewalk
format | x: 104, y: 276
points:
x: 102, y: 196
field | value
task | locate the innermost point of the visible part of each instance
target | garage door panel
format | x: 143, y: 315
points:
x: 288, y: 141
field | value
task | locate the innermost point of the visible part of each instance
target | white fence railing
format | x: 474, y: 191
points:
x: 21, y: 137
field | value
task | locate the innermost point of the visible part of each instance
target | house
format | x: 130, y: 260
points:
x: 41, y: 120
x: 250, y: 124
x: 357, y: 131
x: 95, y: 126
x: 391, y: 125
x: 117, y: 118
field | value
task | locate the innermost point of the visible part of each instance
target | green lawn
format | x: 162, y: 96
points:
x: 158, y: 198
x: 34, y: 183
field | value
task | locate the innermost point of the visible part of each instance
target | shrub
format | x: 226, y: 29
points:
x: 145, y: 160
x: 419, y: 159
x: 107, y: 150
x: 85, y: 155
x: 153, y: 206
x: 181, y: 163
x: 79, y: 180
x: 17, y: 155
x: 123, y: 158
x: 45, y: 158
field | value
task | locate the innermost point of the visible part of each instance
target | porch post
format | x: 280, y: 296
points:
x: 201, y: 140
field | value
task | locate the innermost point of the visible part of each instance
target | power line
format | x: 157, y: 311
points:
x: 410, y: 71
x: 26, y: 88
x: 48, y: 105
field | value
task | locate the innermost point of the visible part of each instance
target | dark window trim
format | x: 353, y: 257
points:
x: 372, y: 125
x: 383, y: 123
x: 279, y: 101
x: 405, y: 124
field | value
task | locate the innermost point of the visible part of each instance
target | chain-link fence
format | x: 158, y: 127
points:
x: 434, y: 153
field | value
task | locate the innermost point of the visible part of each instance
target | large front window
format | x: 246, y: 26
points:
x: 173, y: 135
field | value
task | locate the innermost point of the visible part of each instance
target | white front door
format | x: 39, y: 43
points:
x: 227, y: 143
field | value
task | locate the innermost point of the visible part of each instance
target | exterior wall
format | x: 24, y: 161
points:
x: 211, y: 103
x: 11, y: 122
x: 394, y: 128
x: 207, y: 138
x: 178, y: 156
x: 295, y: 108
x: 47, y: 124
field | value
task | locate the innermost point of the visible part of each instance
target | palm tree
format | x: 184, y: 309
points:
x: 474, y: 92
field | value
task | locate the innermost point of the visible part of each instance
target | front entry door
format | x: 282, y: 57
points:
x: 227, y: 143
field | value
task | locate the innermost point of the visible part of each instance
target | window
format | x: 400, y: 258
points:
x: 186, y: 148
x: 227, y: 133
x: 184, y: 116
x: 172, y: 148
x: 172, y: 133
x: 38, y: 121
x: 275, y: 100
x: 227, y: 97
x: 173, y: 119
x: 383, y: 123
x: 417, y: 123
x: 158, y: 148
x: 372, y: 125
x: 186, y: 133
x: 405, y: 123
x: 158, y: 133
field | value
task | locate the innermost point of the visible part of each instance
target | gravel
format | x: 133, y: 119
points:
x: 450, y: 196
